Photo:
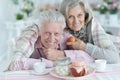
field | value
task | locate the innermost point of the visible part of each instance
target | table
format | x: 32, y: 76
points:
x: 112, y: 73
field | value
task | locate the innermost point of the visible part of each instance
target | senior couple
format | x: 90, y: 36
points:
x: 47, y: 39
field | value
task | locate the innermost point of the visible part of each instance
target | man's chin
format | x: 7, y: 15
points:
x: 50, y: 47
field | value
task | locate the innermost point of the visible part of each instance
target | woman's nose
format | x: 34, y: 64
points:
x: 76, y: 20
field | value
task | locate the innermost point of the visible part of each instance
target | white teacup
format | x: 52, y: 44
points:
x: 39, y: 67
x: 100, y: 65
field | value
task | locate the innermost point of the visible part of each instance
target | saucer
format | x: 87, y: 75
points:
x: 47, y: 70
x: 103, y: 71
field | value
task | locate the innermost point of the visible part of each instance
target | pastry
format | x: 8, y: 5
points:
x: 78, y: 68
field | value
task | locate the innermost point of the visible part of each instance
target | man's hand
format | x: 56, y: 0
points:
x: 77, y: 45
x: 53, y: 54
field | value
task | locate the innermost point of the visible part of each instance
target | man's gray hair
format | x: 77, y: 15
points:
x: 51, y: 16
x: 66, y: 5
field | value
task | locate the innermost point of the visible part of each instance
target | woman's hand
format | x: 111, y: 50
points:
x: 77, y: 44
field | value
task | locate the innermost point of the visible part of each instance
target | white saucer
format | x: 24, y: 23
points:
x: 103, y: 71
x: 45, y: 72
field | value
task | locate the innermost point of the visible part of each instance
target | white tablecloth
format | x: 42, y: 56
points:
x: 112, y: 73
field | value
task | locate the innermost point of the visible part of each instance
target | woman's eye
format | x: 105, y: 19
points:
x: 79, y: 15
x: 70, y: 17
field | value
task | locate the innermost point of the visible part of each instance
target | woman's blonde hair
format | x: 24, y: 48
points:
x: 66, y: 5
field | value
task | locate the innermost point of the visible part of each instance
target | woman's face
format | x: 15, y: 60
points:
x: 76, y: 18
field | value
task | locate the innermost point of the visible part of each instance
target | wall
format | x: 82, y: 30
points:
x: 3, y: 18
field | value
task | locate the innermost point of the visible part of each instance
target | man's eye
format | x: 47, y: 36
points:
x: 57, y: 34
x: 47, y: 33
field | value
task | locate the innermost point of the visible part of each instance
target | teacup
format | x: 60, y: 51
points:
x: 100, y: 65
x: 39, y: 67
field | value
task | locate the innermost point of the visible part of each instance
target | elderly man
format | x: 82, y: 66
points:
x: 45, y: 42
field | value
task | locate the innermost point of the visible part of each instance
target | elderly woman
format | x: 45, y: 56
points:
x: 46, y: 42
x: 90, y: 36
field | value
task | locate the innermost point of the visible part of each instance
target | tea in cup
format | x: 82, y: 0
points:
x: 39, y: 67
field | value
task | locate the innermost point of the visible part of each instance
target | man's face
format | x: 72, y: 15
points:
x: 51, y: 34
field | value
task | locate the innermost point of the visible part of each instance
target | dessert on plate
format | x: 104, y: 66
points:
x: 78, y: 68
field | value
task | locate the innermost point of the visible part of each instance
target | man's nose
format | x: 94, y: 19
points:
x: 52, y: 38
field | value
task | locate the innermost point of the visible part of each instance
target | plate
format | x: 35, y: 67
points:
x: 47, y: 70
x: 70, y: 77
